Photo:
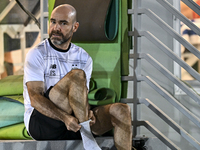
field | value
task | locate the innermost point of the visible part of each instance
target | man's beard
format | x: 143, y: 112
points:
x: 58, y: 41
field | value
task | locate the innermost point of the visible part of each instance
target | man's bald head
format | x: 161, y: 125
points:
x: 67, y: 9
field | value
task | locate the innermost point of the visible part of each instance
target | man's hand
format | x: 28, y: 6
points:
x: 72, y: 123
x: 92, y: 117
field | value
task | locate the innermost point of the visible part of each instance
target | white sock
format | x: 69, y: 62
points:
x: 89, y: 143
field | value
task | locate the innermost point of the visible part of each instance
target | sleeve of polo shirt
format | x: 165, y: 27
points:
x: 34, y: 66
x: 88, y: 70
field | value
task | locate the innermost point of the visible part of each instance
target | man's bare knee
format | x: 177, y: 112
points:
x: 119, y: 109
x: 77, y: 79
x: 120, y: 113
x: 78, y: 73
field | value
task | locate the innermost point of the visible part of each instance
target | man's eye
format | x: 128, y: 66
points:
x: 64, y: 23
x: 53, y: 22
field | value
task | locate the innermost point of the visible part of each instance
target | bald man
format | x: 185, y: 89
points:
x: 56, y: 83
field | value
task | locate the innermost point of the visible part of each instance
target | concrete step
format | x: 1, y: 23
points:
x: 106, y: 143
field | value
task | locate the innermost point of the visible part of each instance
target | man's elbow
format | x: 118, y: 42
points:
x: 34, y: 100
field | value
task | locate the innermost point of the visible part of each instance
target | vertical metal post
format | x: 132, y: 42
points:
x: 46, y: 15
x: 1, y: 52
x: 176, y: 44
x: 137, y: 26
x: 44, y: 19
x: 41, y: 19
x: 23, y: 45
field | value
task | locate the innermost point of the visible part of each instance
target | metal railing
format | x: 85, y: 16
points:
x: 137, y: 77
x: 44, y: 19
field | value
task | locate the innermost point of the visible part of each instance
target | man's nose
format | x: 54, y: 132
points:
x: 57, y: 27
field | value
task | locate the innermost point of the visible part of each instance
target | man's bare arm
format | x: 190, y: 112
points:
x: 47, y: 107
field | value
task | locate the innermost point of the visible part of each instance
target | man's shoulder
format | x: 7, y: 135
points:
x: 76, y: 48
x: 42, y: 45
x: 40, y: 48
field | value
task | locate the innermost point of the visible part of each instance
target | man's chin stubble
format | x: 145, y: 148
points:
x: 56, y: 42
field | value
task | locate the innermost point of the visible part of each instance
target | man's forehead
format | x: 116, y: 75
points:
x: 58, y: 19
x: 57, y: 15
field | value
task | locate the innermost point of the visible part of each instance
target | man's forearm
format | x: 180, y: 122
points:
x: 47, y: 108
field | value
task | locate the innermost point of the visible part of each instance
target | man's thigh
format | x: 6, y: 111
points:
x: 71, y: 86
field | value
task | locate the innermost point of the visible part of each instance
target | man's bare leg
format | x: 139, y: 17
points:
x: 118, y: 116
x: 70, y: 94
x: 109, y: 116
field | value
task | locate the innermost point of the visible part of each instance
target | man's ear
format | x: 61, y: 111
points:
x: 75, y: 27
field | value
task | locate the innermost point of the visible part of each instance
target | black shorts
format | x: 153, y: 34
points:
x: 42, y: 127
